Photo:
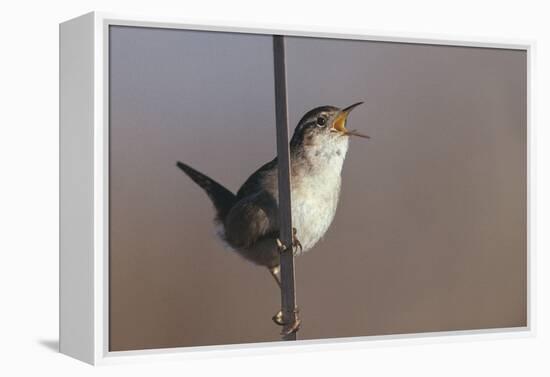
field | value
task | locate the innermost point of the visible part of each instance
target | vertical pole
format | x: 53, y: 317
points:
x: 288, y: 294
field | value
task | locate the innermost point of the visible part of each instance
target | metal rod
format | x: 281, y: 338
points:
x: 288, y: 289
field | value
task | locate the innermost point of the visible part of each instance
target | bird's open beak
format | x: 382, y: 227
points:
x: 339, y: 124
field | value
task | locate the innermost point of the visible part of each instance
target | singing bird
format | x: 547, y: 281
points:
x: 248, y: 220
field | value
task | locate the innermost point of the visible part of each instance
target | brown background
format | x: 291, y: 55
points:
x: 430, y: 233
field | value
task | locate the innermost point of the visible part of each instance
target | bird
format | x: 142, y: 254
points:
x: 248, y: 220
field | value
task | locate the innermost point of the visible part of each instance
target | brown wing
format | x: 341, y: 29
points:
x: 251, y: 219
x: 263, y: 179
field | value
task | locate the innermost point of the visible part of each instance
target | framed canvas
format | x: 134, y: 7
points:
x: 235, y: 189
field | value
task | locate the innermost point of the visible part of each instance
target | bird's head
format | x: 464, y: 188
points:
x: 324, y: 125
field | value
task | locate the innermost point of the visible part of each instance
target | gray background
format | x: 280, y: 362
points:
x: 430, y: 233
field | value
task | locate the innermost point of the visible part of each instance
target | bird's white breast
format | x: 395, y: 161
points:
x: 315, y: 193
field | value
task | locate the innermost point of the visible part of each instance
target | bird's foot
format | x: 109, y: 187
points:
x: 278, y: 318
x: 295, y: 243
x: 280, y: 246
x: 287, y: 330
x: 293, y: 328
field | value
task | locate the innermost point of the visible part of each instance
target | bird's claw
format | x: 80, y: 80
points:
x: 295, y: 243
x: 278, y: 318
x: 295, y: 326
x: 280, y: 246
x: 292, y: 329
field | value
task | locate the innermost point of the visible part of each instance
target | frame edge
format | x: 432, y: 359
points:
x: 76, y: 201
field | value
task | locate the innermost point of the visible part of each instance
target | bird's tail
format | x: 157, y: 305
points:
x: 222, y: 198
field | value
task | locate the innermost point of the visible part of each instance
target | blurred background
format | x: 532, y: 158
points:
x: 430, y: 233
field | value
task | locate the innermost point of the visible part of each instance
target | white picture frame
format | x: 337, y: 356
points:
x: 84, y: 179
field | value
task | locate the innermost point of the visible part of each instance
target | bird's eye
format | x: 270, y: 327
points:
x: 321, y: 121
